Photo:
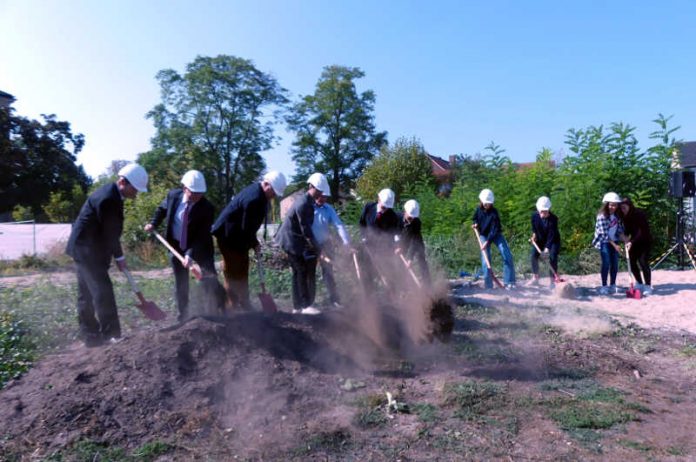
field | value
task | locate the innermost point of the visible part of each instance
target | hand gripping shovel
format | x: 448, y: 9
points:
x: 195, y: 269
x: 149, y: 309
x: 488, y: 263
x: 267, y: 304
x: 556, y: 277
x: 631, y: 292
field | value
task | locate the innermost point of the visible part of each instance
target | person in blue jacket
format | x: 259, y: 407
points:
x: 487, y: 221
x: 546, y: 237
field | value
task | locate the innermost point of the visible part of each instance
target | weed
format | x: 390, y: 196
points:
x: 16, y: 351
x: 471, y: 398
x: 677, y: 451
x: 371, y: 413
x: 688, y: 351
x: 150, y: 451
x: 88, y: 451
x: 332, y: 442
x: 637, y: 445
x: 426, y: 412
x: 589, y: 415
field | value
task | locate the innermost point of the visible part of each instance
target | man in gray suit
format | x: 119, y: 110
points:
x: 297, y: 239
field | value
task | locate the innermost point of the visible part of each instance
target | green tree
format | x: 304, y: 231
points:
x: 37, y: 159
x: 217, y: 118
x: 335, y: 129
x: 400, y: 167
x: 63, y: 208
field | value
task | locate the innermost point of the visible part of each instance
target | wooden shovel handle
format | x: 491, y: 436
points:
x: 195, y: 268
x: 410, y: 270
x: 483, y: 252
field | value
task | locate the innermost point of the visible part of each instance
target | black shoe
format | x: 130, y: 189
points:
x: 94, y: 340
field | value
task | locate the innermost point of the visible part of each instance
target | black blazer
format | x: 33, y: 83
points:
x: 295, y: 235
x: 385, y: 229
x: 199, y: 242
x: 241, y: 219
x: 412, y: 239
x: 96, y: 233
x: 546, y: 231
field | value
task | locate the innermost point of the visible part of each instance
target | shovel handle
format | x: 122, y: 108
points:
x: 195, y: 268
x: 357, y: 267
x: 262, y: 276
x: 483, y: 252
x: 131, y: 281
x: 628, y: 265
x: 410, y: 270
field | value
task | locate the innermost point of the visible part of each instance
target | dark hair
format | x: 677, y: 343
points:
x: 629, y: 202
x: 604, y: 209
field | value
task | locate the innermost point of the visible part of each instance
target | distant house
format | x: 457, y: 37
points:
x: 6, y: 99
x: 442, y: 169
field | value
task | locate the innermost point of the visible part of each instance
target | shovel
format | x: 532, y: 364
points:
x: 195, y: 269
x: 407, y: 264
x: 488, y: 262
x: 149, y: 309
x: 556, y: 278
x: 631, y: 292
x: 267, y: 304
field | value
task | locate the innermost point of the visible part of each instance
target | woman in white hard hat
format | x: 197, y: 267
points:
x: 189, y: 216
x: 546, y: 237
x: 411, y: 243
x: 487, y: 221
x: 608, y: 234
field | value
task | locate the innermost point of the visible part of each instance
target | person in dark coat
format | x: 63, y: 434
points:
x: 235, y: 230
x: 487, y: 221
x: 189, y: 217
x: 638, y: 242
x: 379, y: 232
x: 411, y: 243
x: 296, y: 238
x: 546, y: 236
x: 94, y: 240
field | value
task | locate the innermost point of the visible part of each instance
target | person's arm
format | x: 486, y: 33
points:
x: 363, y: 222
x: 552, y: 233
x: 112, y: 224
x: 340, y: 227
x: 306, y: 219
x: 495, y: 225
x: 253, y: 213
x: 158, y: 216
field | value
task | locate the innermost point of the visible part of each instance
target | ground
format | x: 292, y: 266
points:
x: 526, y: 375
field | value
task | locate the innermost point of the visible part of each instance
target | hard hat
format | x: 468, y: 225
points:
x: 543, y: 204
x: 486, y: 196
x: 611, y: 197
x: 277, y: 181
x: 136, y: 176
x: 318, y: 180
x: 386, y: 197
x: 194, y: 181
x: 412, y: 208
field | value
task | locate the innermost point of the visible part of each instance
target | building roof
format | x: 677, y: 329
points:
x: 439, y: 165
x: 688, y: 154
x: 6, y: 95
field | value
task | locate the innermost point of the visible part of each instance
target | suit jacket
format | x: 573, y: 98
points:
x: 241, y: 219
x: 379, y: 231
x: 295, y: 235
x: 546, y: 231
x: 199, y: 242
x: 412, y: 239
x: 96, y: 233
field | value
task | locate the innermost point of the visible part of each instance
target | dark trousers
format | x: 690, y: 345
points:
x: 327, y: 274
x: 304, y: 272
x: 639, y: 255
x: 96, y: 305
x: 235, y: 269
x: 213, y: 293
x: 553, y: 260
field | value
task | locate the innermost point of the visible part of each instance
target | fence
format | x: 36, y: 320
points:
x: 30, y: 238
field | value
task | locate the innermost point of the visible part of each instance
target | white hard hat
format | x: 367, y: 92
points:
x: 386, y: 197
x: 412, y: 208
x: 611, y: 197
x: 136, y: 176
x: 277, y: 181
x: 318, y: 180
x: 543, y: 204
x: 194, y: 181
x: 486, y: 196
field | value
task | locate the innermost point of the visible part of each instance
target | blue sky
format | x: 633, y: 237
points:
x: 454, y: 74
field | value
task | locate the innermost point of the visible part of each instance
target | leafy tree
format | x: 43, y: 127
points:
x: 335, y: 129
x: 217, y: 118
x: 37, y: 159
x: 398, y: 167
x: 62, y: 208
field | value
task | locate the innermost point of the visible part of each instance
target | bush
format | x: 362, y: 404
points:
x: 16, y: 352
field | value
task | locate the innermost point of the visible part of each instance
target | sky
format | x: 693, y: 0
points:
x: 454, y: 74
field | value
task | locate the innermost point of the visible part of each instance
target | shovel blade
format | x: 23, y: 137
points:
x: 268, y: 306
x: 633, y: 293
x: 151, y: 311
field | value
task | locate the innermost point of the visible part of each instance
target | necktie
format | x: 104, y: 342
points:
x: 378, y: 219
x: 184, y: 226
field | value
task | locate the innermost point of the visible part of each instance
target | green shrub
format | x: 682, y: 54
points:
x: 16, y: 352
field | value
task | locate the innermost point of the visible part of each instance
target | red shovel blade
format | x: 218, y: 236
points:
x: 150, y: 309
x: 633, y: 293
x: 267, y: 304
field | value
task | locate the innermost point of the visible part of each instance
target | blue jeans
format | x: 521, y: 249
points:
x: 610, y: 263
x: 508, y: 265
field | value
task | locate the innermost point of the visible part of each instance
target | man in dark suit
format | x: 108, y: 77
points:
x: 94, y: 239
x: 296, y: 237
x: 235, y: 230
x: 189, y: 216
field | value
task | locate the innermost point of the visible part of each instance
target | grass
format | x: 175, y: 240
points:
x: 426, y: 412
x: 331, y: 442
x: 371, y: 412
x: 471, y: 398
x: 16, y: 350
x: 89, y: 451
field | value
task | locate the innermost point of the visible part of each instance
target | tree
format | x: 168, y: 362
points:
x: 335, y: 129
x: 37, y: 159
x: 63, y: 208
x: 217, y: 118
x: 399, y: 167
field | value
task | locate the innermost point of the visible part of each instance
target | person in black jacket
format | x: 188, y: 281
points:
x: 379, y: 232
x: 546, y: 236
x: 411, y: 243
x: 189, y: 217
x: 296, y: 237
x: 638, y: 242
x: 235, y: 230
x: 94, y: 240
x: 487, y: 221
